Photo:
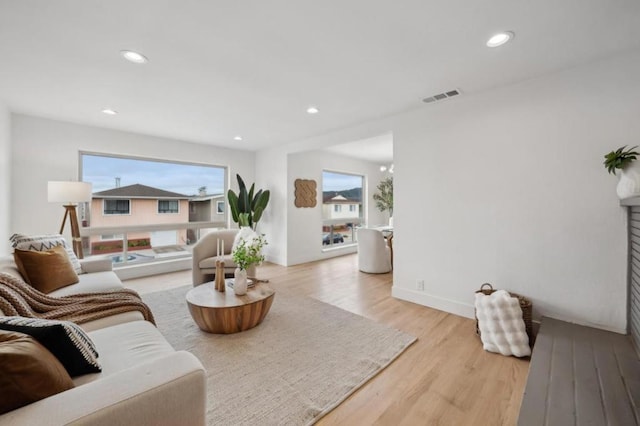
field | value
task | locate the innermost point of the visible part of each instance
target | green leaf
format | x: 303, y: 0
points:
x: 233, y: 204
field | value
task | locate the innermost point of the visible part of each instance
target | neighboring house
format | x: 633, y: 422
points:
x: 207, y: 208
x: 339, y: 207
x: 139, y: 205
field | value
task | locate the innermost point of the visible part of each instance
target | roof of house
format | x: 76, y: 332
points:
x: 138, y: 191
x: 206, y: 197
x: 338, y: 199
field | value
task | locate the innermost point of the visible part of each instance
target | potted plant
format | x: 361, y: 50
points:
x: 623, y: 159
x: 384, y: 197
x: 247, y: 207
x: 247, y: 252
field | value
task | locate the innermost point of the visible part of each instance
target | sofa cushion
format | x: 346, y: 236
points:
x: 45, y: 242
x: 124, y: 346
x: 28, y: 371
x: 112, y: 320
x: 64, y: 339
x: 95, y: 282
x: 8, y: 266
x: 46, y: 270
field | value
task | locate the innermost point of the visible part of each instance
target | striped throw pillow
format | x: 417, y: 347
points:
x: 43, y: 243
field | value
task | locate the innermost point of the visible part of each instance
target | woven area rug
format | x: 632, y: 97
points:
x: 302, y: 361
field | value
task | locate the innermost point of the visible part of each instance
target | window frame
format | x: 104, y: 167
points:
x: 104, y: 205
x: 168, y: 200
x: 218, y: 203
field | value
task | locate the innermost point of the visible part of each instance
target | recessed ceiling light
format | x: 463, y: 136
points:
x: 135, y: 57
x: 109, y: 111
x: 313, y: 110
x: 500, y: 39
x: 237, y: 138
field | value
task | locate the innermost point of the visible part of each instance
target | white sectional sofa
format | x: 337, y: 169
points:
x: 143, y: 381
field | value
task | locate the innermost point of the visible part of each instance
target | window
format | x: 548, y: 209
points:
x: 116, y: 207
x: 220, y: 207
x: 160, y: 185
x: 338, y: 223
x: 168, y: 206
x: 130, y: 192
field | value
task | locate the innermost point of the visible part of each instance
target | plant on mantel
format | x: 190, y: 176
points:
x: 623, y: 159
x: 619, y: 159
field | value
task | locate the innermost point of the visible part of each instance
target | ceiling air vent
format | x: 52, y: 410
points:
x: 441, y: 96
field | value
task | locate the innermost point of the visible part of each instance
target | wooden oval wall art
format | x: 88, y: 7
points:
x: 305, y: 193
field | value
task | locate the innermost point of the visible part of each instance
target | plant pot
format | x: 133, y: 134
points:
x: 629, y: 183
x: 240, y: 282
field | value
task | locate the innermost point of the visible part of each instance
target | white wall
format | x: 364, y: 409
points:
x: 515, y: 194
x: 5, y: 178
x: 508, y: 187
x: 271, y: 174
x: 46, y: 150
x: 304, y: 242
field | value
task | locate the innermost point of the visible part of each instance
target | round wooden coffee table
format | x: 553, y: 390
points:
x: 224, y: 312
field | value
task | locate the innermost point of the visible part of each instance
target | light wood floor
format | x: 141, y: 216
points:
x: 445, y: 378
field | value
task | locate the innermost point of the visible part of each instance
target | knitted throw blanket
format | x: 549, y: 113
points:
x: 18, y: 298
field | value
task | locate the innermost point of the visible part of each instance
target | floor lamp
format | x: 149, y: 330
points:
x: 70, y: 193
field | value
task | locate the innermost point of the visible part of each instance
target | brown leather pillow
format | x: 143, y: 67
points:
x: 46, y: 270
x: 28, y: 371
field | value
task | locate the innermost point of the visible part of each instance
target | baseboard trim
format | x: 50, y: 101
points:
x: 468, y: 311
x: 278, y: 260
x: 442, y: 304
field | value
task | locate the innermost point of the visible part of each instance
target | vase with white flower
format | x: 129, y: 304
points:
x: 246, y: 253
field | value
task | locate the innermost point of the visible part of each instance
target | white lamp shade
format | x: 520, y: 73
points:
x: 69, y: 192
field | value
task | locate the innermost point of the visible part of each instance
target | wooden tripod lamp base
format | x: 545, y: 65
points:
x: 70, y: 193
x: 70, y: 210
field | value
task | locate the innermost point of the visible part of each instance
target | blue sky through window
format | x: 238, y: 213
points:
x: 339, y: 181
x: 102, y: 172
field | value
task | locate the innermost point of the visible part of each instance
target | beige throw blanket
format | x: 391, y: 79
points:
x: 18, y: 298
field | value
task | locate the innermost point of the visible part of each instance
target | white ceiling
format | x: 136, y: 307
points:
x: 378, y: 149
x: 251, y: 67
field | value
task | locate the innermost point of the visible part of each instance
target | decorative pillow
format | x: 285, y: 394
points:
x: 46, y: 270
x: 64, y: 339
x: 45, y: 242
x: 502, y: 328
x: 28, y: 371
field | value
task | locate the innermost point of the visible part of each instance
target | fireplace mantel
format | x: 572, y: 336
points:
x: 629, y: 202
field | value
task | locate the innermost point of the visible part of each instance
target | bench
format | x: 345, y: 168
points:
x: 581, y: 376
